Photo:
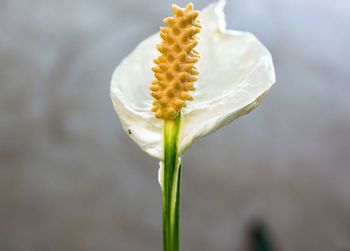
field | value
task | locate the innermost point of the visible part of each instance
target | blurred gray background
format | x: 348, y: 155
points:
x: 71, y: 179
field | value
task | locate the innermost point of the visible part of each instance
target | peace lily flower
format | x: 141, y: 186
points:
x: 166, y: 110
x: 236, y: 72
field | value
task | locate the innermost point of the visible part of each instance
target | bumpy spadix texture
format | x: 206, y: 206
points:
x: 175, y: 71
x: 236, y: 74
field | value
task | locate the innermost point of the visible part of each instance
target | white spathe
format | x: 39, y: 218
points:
x: 236, y: 71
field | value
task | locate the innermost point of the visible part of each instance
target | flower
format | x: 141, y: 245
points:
x: 236, y: 73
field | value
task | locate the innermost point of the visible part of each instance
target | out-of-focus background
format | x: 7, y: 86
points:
x: 71, y: 179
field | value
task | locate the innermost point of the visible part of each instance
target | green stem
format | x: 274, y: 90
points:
x: 171, y: 185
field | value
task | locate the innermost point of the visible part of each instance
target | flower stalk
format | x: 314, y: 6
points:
x: 171, y: 185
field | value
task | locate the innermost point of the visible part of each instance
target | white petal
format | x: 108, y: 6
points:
x: 236, y: 71
x: 161, y: 174
x: 132, y: 98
